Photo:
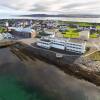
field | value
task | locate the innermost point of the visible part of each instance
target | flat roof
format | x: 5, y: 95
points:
x: 20, y: 29
x: 76, y: 41
x: 45, y: 40
x: 62, y: 39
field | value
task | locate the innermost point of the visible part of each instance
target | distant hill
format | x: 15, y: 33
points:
x: 62, y: 15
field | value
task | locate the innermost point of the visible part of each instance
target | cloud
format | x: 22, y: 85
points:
x: 15, y: 7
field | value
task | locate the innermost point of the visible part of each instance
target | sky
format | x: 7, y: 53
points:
x: 20, y: 7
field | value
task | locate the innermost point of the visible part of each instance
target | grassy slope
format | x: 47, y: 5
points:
x: 95, y: 56
x: 71, y: 33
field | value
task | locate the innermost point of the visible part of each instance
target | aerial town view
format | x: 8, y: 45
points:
x: 50, y: 50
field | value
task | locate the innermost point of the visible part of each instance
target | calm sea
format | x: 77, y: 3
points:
x: 37, y: 80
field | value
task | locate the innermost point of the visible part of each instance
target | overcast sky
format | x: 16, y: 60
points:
x: 14, y: 7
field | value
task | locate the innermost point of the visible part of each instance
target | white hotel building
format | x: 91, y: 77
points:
x: 62, y: 44
x: 76, y: 47
x: 44, y: 43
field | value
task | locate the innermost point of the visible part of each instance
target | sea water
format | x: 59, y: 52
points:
x: 40, y: 81
x: 10, y: 87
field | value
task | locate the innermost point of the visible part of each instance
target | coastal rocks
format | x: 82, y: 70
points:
x: 90, y: 64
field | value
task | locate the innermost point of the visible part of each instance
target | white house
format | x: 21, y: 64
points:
x: 50, y: 33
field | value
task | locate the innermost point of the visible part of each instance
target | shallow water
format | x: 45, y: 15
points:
x: 37, y: 80
x: 10, y: 87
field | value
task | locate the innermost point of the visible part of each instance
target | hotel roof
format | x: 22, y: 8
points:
x: 76, y: 41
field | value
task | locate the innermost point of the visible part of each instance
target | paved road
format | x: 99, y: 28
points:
x: 31, y: 41
x: 28, y: 41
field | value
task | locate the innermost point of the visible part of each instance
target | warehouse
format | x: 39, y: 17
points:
x: 23, y: 32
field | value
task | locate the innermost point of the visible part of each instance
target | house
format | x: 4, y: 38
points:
x: 50, y: 33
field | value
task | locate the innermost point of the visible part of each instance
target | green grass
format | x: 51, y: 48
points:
x: 2, y: 29
x: 98, y: 27
x: 71, y: 33
x: 84, y: 24
x: 93, y: 35
x: 80, y: 23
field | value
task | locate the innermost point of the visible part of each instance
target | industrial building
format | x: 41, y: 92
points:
x: 23, y: 32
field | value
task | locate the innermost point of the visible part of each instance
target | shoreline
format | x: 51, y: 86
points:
x: 67, y: 63
x: 49, y: 79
